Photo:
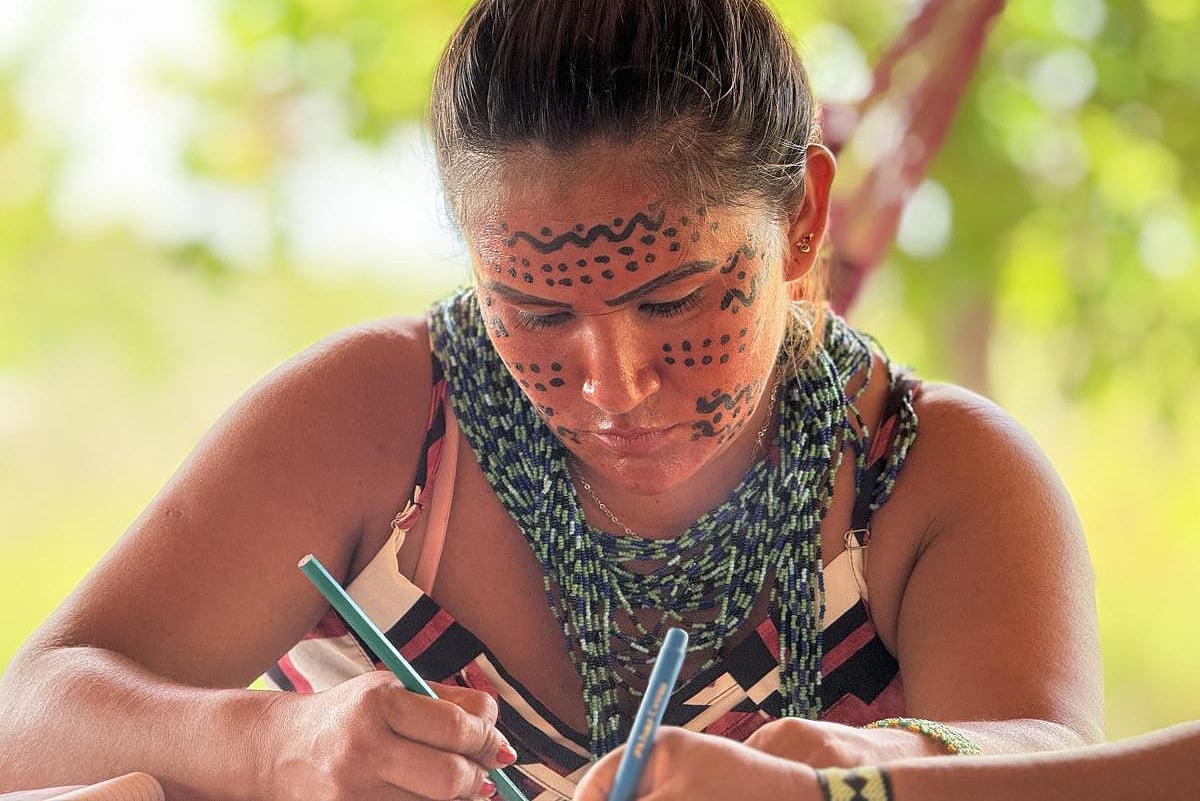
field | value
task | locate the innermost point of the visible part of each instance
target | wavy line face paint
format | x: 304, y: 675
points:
x: 643, y: 329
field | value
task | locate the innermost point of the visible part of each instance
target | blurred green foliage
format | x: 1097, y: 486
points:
x: 1068, y: 289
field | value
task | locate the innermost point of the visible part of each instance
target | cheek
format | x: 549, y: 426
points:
x: 725, y: 358
x: 542, y: 373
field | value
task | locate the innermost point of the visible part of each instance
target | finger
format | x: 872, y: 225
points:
x: 597, y: 782
x: 788, y: 738
x: 497, y: 752
x: 476, y: 702
x: 445, y: 726
x: 428, y: 772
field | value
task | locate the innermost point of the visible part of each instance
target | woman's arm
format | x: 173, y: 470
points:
x: 699, y: 767
x: 995, y: 625
x: 144, y: 666
x: 981, y: 586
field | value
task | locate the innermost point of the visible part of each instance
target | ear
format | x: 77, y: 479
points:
x: 806, y: 228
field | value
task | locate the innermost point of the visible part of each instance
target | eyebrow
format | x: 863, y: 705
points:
x: 671, y: 276
x: 521, y: 297
x: 678, y: 274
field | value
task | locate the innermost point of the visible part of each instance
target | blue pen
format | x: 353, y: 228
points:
x: 649, y: 715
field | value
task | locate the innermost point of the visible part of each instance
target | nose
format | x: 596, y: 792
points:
x: 619, y: 368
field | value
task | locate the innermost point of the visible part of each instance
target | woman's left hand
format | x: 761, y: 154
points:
x: 699, y: 767
x: 834, y: 745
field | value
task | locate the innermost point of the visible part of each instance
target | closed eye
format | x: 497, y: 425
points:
x: 537, y: 322
x: 674, y: 307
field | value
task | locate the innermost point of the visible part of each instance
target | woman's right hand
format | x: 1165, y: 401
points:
x: 370, y: 738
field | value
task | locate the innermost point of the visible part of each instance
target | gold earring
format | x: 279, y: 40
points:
x: 806, y: 243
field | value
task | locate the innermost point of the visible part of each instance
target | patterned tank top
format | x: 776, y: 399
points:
x: 860, y: 679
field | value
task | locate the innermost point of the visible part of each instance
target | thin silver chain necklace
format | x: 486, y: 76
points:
x: 758, y: 444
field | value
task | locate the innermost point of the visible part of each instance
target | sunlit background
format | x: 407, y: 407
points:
x: 192, y: 191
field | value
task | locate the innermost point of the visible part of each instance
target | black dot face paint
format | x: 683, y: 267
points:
x: 738, y: 296
x: 585, y: 265
x: 495, y: 324
x: 643, y: 238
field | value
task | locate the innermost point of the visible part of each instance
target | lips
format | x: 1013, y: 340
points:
x: 633, y: 440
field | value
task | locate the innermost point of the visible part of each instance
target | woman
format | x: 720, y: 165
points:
x: 626, y: 424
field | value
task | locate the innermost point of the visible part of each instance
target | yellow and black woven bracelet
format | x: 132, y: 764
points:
x: 854, y: 784
x: 951, y: 738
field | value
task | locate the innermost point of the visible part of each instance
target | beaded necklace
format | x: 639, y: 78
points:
x: 709, y: 577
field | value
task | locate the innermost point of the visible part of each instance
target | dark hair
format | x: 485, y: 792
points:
x: 709, y: 94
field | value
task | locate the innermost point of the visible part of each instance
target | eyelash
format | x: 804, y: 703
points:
x: 539, y: 322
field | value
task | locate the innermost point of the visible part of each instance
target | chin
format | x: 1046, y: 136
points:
x: 651, y: 474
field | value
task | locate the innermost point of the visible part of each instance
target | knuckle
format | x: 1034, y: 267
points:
x: 489, y: 710
x: 455, y: 777
x: 467, y: 735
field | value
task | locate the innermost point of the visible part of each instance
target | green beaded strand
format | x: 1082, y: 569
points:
x: 710, y: 576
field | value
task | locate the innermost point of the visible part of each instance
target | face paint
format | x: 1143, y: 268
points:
x: 639, y: 336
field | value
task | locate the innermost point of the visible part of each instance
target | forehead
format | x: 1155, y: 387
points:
x: 598, y: 228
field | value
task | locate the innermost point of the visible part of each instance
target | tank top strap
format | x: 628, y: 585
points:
x: 433, y: 488
x: 882, y: 456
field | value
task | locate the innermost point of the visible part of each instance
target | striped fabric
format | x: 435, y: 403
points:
x: 860, y: 678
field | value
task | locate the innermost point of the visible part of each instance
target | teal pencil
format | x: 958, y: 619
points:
x: 382, y: 647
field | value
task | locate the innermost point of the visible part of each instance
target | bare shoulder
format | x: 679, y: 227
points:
x: 381, y: 362
x: 996, y: 564
x: 298, y: 465
x: 971, y: 454
x: 351, y: 405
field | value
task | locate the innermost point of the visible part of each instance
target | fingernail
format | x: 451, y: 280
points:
x: 488, y: 788
x: 505, y: 755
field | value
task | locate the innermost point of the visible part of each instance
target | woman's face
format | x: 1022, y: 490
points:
x: 644, y: 330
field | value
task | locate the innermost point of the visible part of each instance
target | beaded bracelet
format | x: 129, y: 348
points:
x: 952, y: 739
x: 855, y: 784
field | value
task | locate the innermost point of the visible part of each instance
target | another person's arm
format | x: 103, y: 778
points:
x: 144, y: 666
x: 700, y: 767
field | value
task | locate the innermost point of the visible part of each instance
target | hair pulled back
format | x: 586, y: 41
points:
x: 709, y: 94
